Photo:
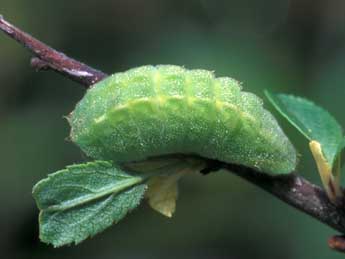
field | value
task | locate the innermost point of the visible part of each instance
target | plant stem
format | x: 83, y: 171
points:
x: 297, y: 192
x: 291, y: 189
x: 48, y: 58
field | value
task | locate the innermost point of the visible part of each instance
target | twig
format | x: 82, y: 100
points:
x: 298, y: 192
x: 48, y: 58
x: 291, y: 189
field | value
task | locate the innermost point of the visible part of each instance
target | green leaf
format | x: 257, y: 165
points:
x: 325, y: 137
x: 312, y: 121
x: 83, y: 200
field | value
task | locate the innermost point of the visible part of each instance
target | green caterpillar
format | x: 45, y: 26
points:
x: 149, y: 126
x: 153, y: 111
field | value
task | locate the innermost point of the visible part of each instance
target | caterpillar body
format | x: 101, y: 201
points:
x: 154, y: 111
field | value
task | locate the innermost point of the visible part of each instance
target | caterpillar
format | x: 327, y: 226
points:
x: 157, y: 111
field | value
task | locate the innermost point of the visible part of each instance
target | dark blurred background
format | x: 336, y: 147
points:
x: 295, y: 46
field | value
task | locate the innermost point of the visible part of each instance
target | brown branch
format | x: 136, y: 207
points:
x: 48, y: 58
x: 297, y: 192
x: 291, y: 189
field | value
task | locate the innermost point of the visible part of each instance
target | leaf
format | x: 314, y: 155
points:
x: 83, y: 200
x: 162, y: 193
x: 324, y: 133
x: 330, y: 177
x: 312, y: 121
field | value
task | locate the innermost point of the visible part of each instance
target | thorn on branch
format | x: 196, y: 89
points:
x: 337, y: 243
x: 38, y: 64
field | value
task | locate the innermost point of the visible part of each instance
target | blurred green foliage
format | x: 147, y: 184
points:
x: 292, y: 46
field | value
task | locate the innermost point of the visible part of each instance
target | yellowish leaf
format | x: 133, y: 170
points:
x: 330, y: 179
x: 162, y: 193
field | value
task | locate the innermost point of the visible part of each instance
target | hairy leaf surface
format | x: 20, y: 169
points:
x: 83, y: 200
